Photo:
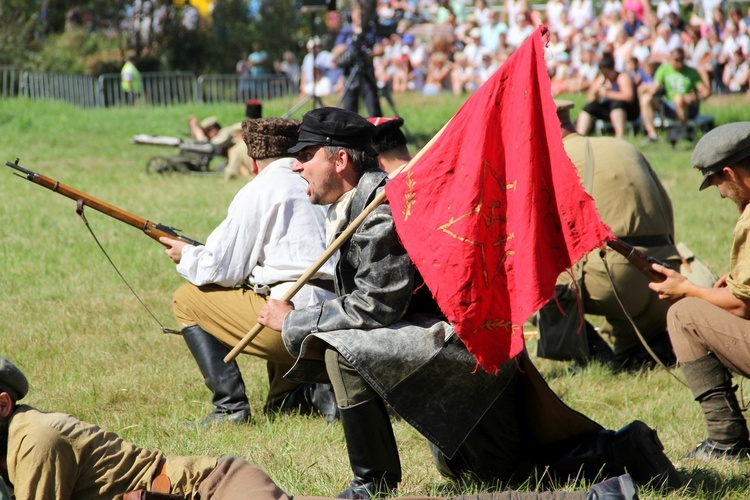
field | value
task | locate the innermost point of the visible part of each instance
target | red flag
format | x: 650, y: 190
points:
x: 494, y: 211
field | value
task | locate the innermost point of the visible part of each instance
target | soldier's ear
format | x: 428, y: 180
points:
x: 342, y: 160
x: 6, y: 405
x: 729, y: 173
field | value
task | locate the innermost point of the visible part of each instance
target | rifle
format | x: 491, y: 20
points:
x: 152, y: 230
x: 639, y: 259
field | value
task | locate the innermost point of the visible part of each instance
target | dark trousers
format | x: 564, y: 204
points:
x: 362, y: 82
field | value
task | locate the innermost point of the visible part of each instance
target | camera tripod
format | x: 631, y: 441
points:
x: 356, y: 80
x: 317, y: 103
x: 384, y: 92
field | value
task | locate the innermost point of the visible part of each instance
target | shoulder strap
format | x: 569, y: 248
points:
x: 588, y: 175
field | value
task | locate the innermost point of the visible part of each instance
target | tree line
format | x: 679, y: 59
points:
x: 94, y: 36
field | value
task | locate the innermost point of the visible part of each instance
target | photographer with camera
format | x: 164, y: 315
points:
x: 355, y: 46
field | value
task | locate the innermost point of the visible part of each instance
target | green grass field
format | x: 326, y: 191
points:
x: 89, y: 348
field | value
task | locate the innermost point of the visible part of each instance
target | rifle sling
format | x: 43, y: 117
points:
x: 588, y: 184
x: 79, y: 210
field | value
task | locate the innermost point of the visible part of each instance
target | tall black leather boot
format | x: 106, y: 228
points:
x: 711, y: 384
x: 373, y: 453
x: 222, y: 379
x: 635, y: 449
x: 309, y: 399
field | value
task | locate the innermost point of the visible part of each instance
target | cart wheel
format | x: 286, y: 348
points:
x: 159, y: 165
x: 180, y: 164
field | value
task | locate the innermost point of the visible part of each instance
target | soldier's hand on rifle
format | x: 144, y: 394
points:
x: 174, y: 248
x: 672, y: 289
x: 272, y: 314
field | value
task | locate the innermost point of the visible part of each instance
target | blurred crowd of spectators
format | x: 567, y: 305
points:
x: 145, y: 19
x: 434, y: 46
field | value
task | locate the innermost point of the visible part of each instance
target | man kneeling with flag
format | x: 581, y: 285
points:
x: 487, y: 216
x: 384, y: 339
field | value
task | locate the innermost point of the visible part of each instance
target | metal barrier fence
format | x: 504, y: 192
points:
x: 232, y: 88
x: 80, y: 90
x: 9, y: 81
x: 159, y: 89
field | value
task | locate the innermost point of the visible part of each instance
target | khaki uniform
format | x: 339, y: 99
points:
x: 698, y: 327
x: 229, y: 313
x: 633, y: 203
x: 56, y: 456
x: 237, y: 158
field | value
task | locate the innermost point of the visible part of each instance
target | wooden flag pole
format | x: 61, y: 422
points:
x: 328, y: 253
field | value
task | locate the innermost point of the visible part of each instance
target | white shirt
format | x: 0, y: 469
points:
x: 323, y: 87
x: 271, y: 236
x: 517, y: 34
x: 481, y: 16
x: 554, y: 11
x: 665, y: 47
x: 641, y: 52
x: 491, y: 35
x: 581, y: 13
x: 473, y: 53
x: 665, y: 7
x: 322, y: 60
x: 708, y: 7
x: 611, y: 7
x: 512, y: 7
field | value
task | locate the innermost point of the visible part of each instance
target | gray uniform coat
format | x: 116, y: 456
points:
x: 385, y: 323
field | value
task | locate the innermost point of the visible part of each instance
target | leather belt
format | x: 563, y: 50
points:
x: 160, y: 483
x: 326, y: 285
x: 648, y: 241
x: 265, y: 290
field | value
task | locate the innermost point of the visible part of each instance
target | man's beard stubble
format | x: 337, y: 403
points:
x: 329, y: 183
x: 737, y: 195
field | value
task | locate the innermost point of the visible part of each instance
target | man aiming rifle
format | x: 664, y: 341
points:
x: 270, y: 236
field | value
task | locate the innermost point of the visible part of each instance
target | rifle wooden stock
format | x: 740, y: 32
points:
x: 639, y: 259
x: 151, y: 229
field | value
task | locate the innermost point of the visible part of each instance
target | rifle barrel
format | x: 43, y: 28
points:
x: 151, y: 229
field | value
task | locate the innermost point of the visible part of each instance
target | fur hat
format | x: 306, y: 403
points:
x: 388, y: 134
x: 269, y: 137
x: 12, y: 380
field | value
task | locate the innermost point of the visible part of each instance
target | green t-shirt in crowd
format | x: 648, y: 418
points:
x: 675, y: 82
